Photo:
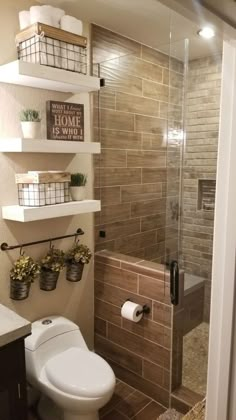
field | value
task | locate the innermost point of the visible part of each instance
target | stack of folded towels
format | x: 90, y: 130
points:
x: 52, y: 16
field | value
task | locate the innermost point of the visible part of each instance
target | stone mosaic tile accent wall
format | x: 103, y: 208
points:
x: 131, y: 177
x: 200, y: 160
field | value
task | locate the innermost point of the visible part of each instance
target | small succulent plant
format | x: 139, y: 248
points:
x: 54, y: 260
x: 79, y: 253
x: 30, y: 115
x: 24, y: 269
x: 78, y: 180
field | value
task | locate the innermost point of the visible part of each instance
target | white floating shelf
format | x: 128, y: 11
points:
x: 18, y: 145
x: 45, y: 77
x: 30, y: 214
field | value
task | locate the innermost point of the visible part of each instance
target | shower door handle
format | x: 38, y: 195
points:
x: 174, y: 282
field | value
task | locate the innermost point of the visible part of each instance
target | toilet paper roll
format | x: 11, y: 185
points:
x: 24, y: 19
x: 71, y: 24
x: 130, y: 310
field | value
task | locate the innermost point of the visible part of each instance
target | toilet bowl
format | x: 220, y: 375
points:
x: 60, y: 365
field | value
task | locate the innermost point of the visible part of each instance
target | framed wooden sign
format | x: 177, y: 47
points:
x: 65, y: 121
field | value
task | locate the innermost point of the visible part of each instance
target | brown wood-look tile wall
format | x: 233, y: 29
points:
x: 139, y: 353
x: 200, y: 162
x: 130, y: 120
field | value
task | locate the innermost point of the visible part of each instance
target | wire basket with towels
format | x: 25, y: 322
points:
x: 39, y: 188
x: 49, y: 46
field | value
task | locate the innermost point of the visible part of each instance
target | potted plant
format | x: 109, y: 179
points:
x: 22, y: 274
x: 30, y: 123
x: 75, y: 258
x: 77, y: 186
x: 51, y: 266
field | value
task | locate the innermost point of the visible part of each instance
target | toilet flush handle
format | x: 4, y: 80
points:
x: 46, y: 321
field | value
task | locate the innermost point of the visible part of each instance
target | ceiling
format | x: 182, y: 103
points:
x: 226, y: 9
x: 146, y: 21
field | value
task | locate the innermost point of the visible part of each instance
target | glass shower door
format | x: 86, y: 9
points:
x: 192, y: 140
x: 175, y: 145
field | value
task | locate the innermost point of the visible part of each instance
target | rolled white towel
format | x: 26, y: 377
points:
x: 56, y: 16
x: 71, y: 24
x: 40, y: 14
x: 57, y: 53
x: 50, y: 11
x: 24, y: 19
x: 51, y: 193
x: 35, y: 12
x: 46, y: 8
x: 64, y: 59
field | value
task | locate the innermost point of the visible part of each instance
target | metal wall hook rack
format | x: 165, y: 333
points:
x: 6, y: 247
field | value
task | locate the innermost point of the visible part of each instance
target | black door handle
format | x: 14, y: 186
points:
x: 174, y: 282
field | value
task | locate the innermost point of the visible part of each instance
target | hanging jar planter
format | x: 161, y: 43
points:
x: 19, y: 290
x: 51, y: 266
x: 74, y: 271
x: 22, y: 274
x: 76, y: 258
x: 48, y: 279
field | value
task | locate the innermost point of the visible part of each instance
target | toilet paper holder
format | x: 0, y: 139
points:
x: 146, y: 309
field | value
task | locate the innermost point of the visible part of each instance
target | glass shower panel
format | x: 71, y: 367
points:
x: 198, y: 200
x: 191, y: 173
x: 175, y: 146
x: 131, y: 124
x: 157, y: 121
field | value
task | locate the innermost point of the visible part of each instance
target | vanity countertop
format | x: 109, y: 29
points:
x: 12, y: 326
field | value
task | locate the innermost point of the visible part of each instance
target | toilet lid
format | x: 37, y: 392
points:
x: 80, y: 372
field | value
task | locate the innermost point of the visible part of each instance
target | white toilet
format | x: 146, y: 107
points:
x: 60, y: 365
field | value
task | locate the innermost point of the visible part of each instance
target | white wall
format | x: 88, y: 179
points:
x: 72, y: 300
x: 223, y: 286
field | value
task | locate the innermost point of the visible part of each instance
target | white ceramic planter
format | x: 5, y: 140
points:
x: 31, y: 130
x: 77, y: 193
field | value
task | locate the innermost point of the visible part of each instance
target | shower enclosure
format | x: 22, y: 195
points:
x: 157, y: 121
x: 196, y: 148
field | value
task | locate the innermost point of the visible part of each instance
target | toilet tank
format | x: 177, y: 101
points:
x: 50, y: 336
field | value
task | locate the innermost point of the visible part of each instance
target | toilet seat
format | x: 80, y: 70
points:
x: 80, y: 372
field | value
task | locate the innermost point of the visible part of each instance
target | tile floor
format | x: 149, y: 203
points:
x: 127, y: 403
x: 195, y: 359
x: 31, y: 416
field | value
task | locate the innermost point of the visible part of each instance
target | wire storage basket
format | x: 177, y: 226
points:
x: 45, y: 45
x: 37, y: 189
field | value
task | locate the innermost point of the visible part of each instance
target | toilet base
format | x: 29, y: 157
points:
x: 47, y: 410
x: 91, y: 416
